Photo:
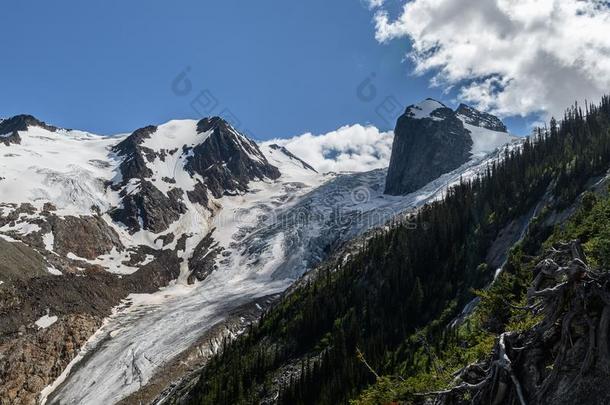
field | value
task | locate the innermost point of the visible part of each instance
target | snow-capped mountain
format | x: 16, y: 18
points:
x: 156, y: 239
x: 116, y: 215
x: 154, y: 188
x: 431, y: 139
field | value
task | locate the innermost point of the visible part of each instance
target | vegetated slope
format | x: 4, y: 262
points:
x: 546, y: 317
x: 404, y: 279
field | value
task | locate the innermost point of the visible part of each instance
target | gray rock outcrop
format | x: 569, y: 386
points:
x: 426, y: 145
x: 431, y: 139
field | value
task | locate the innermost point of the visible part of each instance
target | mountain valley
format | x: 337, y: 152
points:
x: 129, y: 263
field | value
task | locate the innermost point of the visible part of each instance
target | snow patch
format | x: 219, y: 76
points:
x: 46, y: 321
x: 49, y: 241
x: 52, y: 270
x: 8, y: 238
x: 290, y: 168
x: 425, y: 109
x: 485, y: 140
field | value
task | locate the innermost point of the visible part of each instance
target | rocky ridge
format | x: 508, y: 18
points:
x: 9, y: 128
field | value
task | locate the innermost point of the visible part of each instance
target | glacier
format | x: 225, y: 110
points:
x: 272, y: 236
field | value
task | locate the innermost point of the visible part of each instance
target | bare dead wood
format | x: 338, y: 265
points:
x: 564, y: 289
x: 602, y: 340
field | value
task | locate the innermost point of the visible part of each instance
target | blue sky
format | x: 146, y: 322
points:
x: 275, y: 68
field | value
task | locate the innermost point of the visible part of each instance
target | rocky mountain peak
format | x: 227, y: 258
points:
x: 21, y: 123
x: 165, y: 168
x: 429, y: 140
x: 227, y: 159
x: 128, y: 145
x: 212, y: 123
x: 10, y: 127
x: 480, y: 119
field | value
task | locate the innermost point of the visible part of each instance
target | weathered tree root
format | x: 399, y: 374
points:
x: 499, y: 373
x: 565, y: 291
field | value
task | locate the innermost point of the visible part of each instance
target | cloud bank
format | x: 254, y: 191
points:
x: 510, y: 57
x: 354, y: 148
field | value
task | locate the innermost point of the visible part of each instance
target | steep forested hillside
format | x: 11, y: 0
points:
x: 384, y: 311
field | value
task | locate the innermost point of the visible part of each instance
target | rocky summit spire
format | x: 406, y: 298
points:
x: 429, y: 140
x: 432, y: 139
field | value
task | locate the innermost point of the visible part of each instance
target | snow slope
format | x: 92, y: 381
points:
x: 66, y: 168
x: 485, y: 140
x: 173, y: 136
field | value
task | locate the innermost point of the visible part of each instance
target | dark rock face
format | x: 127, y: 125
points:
x: 9, y: 128
x: 12, y: 138
x: 90, y: 291
x: 156, y: 210
x: 202, y: 263
x: 134, y: 165
x: 21, y: 123
x: 480, y: 119
x: 87, y: 237
x: 227, y: 160
x: 425, y: 148
x: 154, y: 275
x: 199, y: 195
x: 166, y: 239
x: 24, y: 208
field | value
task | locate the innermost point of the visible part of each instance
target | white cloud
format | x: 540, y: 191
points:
x: 511, y: 57
x: 371, y: 4
x: 350, y: 148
